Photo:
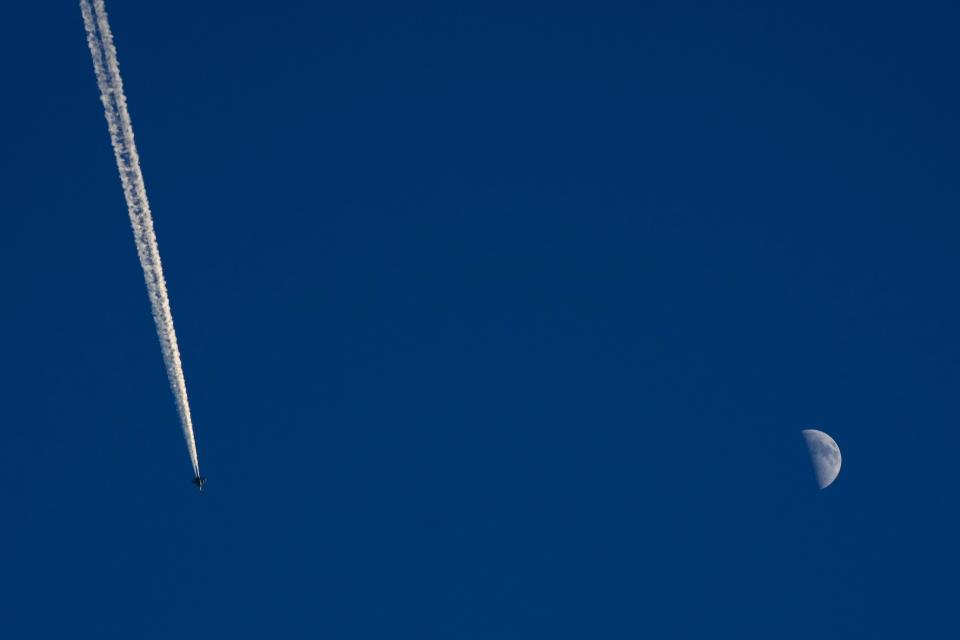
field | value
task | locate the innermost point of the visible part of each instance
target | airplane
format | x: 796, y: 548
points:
x: 200, y: 481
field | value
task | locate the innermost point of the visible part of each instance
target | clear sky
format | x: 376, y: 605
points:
x: 499, y: 320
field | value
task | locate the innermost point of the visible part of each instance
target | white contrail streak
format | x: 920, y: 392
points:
x: 105, y: 65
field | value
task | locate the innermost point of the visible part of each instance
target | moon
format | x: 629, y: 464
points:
x: 824, y: 456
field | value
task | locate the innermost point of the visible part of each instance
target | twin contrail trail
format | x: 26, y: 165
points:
x: 105, y: 65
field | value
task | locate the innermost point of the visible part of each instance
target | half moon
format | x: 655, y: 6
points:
x: 824, y: 456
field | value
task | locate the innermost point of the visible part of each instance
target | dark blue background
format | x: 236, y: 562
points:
x: 498, y: 320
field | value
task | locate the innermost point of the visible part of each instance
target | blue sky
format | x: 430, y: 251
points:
x: 498, y: 321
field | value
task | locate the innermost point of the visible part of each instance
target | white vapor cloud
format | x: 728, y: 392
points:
x: 104, y: 53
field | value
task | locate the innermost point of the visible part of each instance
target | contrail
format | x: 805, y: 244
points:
x: 100, y: 40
